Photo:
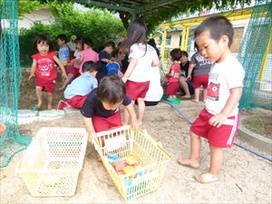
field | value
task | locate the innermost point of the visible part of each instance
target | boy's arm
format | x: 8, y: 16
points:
x: 106, y: 60
x: 64, y: 75
x: 235, y: 95
x: 131, y: 66
x: 33, y: 69
x: 90, y: 128
x: 190, y: 70
x: 130, y: 110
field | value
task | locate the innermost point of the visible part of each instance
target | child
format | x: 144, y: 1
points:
x: 76, y: 92
x: 104, y: 59
x: 43, y: 67
x: 88, y: 54
x: 201, y: 67
x: 173, y: 74
x: 186, y: 85
x: 155, y: 90
x: 142, y: 57
x: 64, y: 50
x: 74, y: 63
x: 72, y: 46
x: 218, y: 121
x: 101, y: 110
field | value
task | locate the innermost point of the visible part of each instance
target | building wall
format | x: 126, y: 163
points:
x: 43, y: 15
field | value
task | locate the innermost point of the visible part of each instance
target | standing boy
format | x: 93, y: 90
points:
x: 104, y: 59
x: 218, y: 121
x: 64, y: 50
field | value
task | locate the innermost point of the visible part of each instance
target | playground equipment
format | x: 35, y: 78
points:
x: 254, y: 54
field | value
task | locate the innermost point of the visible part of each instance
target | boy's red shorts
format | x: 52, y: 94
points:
x: 75, y: 71
x: 137, y: 89
x: 201, y: 80
x: 46, y: 85
x: 102, y: 124
x: 217, y: 137
x: 172, y: 88
x: 76, y: 101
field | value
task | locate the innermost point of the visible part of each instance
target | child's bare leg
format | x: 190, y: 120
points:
x: 126, y: 115
x: 185, y: 87
x: 193, y: 161
x: 216, y: 160
x: 67, y: 80
x: 197, y: 91
x: 205, y: 93
x: 50, y: 100
x: 141, y: 110
x: 39, y: 96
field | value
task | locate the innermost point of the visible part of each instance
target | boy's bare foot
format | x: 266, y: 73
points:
x: 49, y: 107
x: 206, y: 178
x: 39, y: 105
x: 189, y: 163
x: 195, y: 101
x: 186, y: 97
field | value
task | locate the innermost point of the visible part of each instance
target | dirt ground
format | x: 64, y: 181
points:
x: 245, y: 178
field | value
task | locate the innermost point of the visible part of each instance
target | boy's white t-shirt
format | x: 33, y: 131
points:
x: 145, y: 54
x: 222, y: 78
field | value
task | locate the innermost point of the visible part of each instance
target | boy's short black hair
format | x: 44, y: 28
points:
x: 44, y: 39
x: 184, y: 53
x: 176, y: 54
x: 110, y: 43
x: 217, y: 26
x: 62, y: 37
x: 88, y: 41
x: 111, y: 90
x: 89, y: 66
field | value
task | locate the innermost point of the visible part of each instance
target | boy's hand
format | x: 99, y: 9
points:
x: 31, y: 75
x: 64, y: 76
x: 188, y: 78
x: 217, y: 120
x: 134, y: 124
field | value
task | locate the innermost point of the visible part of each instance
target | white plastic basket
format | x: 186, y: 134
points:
x: 53, y: 160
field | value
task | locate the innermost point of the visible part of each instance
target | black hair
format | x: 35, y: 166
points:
x: 79, y: 40
x: 195, y: 46
x: 89, y: 66
x: 184, y: 53
x: 110, y: 43
x: 43, y: 39
x: 153, y: 44
x: 111, y: 90
x: 217, y: 26
x: 88, y: 42
x: 176, y: 54
x: 62, y: 37
x: 136, y: 33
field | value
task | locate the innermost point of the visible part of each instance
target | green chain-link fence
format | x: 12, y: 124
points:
x: 255, y: 56
x: 11, y: 141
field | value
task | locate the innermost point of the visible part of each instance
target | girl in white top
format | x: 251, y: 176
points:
x: 142, y: 57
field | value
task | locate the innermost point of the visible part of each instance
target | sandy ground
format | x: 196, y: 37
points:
x: 245, y: 178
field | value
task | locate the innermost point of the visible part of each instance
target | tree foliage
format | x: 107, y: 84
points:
x: 99, y: 25
x: 153, y: 17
